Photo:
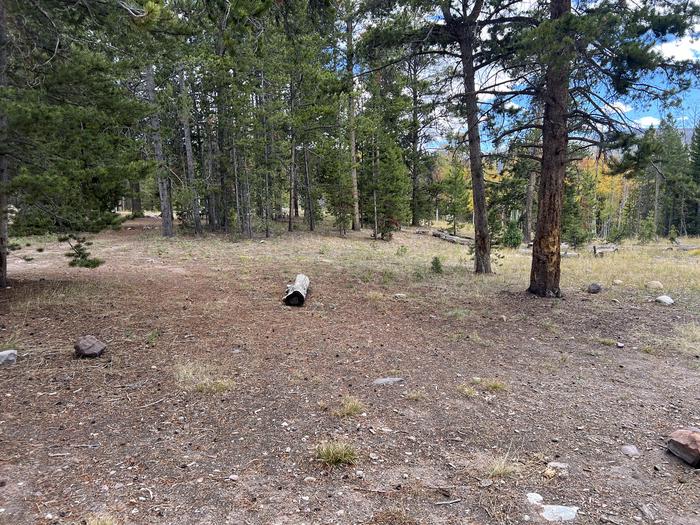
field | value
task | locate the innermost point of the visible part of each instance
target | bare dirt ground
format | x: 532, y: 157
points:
x: 212, y: 396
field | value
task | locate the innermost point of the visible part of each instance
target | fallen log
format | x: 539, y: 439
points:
x: 455, y: 239
x: 599, y: 251
x: 296, y: 292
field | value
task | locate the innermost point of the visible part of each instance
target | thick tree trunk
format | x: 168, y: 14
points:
x: 189, y: 156
x: 349, y: 66
x: 546, y: 256
x: 482, y: 244
x: 4, y: 168
x: 166, y: 207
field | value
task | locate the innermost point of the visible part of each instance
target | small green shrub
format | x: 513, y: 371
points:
x: 436, y: 265
x: 513, y: 236
x: 673, y: 234
x: 401, y: 251
x: 647, y: 229
x: 80, y: 254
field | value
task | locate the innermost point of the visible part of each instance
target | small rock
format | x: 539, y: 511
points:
x: 373, y: 456
x: 664, y: 299
x: 400, y: 296
x: 485, y: 483
x: 360, y: 474
x: 233, y: 477
x: 654, y: 285
x: 309, y: 479
x: 631, y: 451
x: 617, y: 282
x: 557, y: 465
x: 594, y: 288
x: 551, y: 512
x: 685, y: 443
x: 387, y: 380
x: 569, y: 254
x: 89, y: 346
x: 8, y: 357
x: 620, y: 345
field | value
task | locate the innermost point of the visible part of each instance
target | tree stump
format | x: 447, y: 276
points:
x: 296, y: 292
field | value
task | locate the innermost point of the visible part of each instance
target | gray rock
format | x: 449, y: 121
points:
x: 631, y: 451
x: 8, y: 357
x: 664, y: 299
x: 569, y: 254
x: 387, y: 380
x: 552, y: 512
x: 654, y: 285
x: 400, y: 296
x: 620, y: 345
x: 89, y: 346
x: 594, y: 288
x: 617, y: 282
x: 558, y: 465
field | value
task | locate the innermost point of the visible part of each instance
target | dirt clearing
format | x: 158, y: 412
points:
x: 212, y: 399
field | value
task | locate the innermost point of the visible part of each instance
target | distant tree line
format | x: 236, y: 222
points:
x: 235, y: 117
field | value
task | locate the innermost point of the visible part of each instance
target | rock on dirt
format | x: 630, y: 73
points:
x: 617, y: 282
x: 664, y: 299
x: 8, y: 357
x: 594, y: 288
x: 685, y: 443
x: 654, y: 285
x: 551, y: 512
x: 387, y: 380
x: 631, y: 451
x: 89, y: 346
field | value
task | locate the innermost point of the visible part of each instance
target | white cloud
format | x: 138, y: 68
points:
x: 685, y: 48
x: 648, y: 121
x: 620, y: 106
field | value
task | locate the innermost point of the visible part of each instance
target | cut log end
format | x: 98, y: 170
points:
x: 296, y: 292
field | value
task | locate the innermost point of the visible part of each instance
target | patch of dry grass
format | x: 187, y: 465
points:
x: 336, y: 452
x: 688, y: 337
x: 416, y: 395
x: 101, y: 519
x: 467, y: 390
x: 201, y: 377
x: 392, y: 517
x: 491, y: 384
x: 498, y: 466
x: 349, y: 407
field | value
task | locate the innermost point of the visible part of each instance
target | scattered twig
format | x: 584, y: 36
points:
x: 154, y: 402
x: 448, y: 502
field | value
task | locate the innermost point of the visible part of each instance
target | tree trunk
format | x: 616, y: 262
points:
x: 657, y: 191
x: 546, y: 256
x: 375, y: 174
x: 482, y: 242
x: 166, y: 207
x: 4, y: 168
x: 309, y: 197
x: 136, y: 206
x: 413, y: 72
x: 529, y: 198
x: 349, y: 66
x: 189, y: 156
x: 292, y: 182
